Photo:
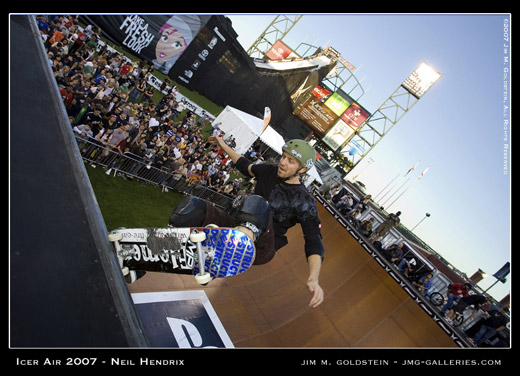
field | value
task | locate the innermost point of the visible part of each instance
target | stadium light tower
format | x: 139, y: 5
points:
x: 421, y: 80
x: 390, y: 112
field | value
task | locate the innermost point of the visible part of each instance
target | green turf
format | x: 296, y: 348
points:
x: 125, y: 203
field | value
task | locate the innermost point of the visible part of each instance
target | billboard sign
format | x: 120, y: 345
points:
x: 316, y: 114
x: 182, y: 319
x: 321, y: 93
x: 355, y: 115
x: 338, y: 135
x: 280, y: 51
x: 337, y: 103
x: 353, y: 148
x: 207, y: 50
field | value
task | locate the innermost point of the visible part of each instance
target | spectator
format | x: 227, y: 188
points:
x: 179, y: 108
x: 194, y: 178
x: 83, y: 131
x: 494, y: 323
x: 455, y: 292
x: 117, y: 136
x: 381, y: 230
x: 353, y: 216
x: 424, y: 284
x: 148, y: 94
x: 475, y: 300
x: 394, y: 253
x: 78, y: 42
x: 94, y: 119
x: 345, y: 203
x: 56, y: 37
x: 363, y: 204
x: 43, y: 25
x: 366, y: 226
x: 407, y: 267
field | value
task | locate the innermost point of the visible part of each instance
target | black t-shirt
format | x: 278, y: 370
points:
x: 496, y: 319
x: 474, y: 299
x: 93, y: 120
x: 289, y: 204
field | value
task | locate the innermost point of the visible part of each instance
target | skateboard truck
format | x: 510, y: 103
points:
x: 202, y: 277
x: 127, y: 273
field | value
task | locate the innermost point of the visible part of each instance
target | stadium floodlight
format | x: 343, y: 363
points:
x: 421, y: 80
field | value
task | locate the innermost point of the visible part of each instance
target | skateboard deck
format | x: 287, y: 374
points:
x: 224, y: 251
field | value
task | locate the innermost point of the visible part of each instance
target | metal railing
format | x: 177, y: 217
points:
x: 133, y: 166
x: 392, y: 270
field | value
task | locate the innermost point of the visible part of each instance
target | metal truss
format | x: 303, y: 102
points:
x: 342, y: 76
x: 378, y: 125
x: 277, y: 30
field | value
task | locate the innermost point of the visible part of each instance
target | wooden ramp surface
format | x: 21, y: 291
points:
x: 268, y: 305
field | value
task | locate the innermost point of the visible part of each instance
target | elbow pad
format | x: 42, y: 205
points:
x: 242, y: 165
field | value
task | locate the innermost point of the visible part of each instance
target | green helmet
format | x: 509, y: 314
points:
x: 302, y: 151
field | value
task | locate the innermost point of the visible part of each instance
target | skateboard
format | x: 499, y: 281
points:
x: 224, y: 251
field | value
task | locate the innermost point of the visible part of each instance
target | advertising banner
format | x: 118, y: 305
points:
x: 280, y: 51
x: 338, y: 135
x: 158, y: 39
x: 337, y: 103
x: 315, y: 114
x: 355, y: 115
x: 182, y: 319
x: 207, y: 50
x: 321, y: 93
x: 353, y: 148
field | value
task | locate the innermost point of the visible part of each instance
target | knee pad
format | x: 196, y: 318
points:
x: 254, y: 214
x: 190, y: 212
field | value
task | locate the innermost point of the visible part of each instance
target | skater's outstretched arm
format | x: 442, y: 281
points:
x: 219, y: 142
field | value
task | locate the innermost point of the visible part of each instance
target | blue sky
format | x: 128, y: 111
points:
x: 457, y: 128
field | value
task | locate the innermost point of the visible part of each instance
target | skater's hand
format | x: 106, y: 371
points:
x: 217, y: 141
x: 317, y: 293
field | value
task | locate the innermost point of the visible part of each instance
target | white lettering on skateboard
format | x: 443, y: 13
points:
x: 179, y: 259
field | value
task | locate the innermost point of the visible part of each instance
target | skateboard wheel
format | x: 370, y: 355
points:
x: 203, y: 279
x: 115, y: 236
x: 125, y: 270
x: 197, y: 237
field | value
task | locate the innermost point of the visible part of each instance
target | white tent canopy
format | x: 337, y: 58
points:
x: 246, y: 129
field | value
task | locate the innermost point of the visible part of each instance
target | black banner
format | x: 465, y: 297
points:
x: 159, y: 39
x: 211, y: 50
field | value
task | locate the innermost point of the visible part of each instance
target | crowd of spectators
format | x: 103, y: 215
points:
x: 482, y: 332
x: 109, y: 101
x: 398, y: 254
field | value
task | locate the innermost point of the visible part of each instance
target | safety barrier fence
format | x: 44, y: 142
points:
x: 131, y: 165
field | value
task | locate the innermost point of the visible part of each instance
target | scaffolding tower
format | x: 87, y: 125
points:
x: 342, y: 77
x: 389, y: 113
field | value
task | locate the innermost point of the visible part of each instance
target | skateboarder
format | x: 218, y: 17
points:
x: 279, y: 202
